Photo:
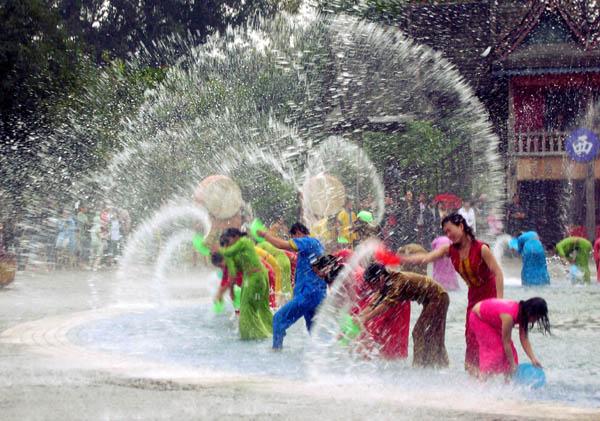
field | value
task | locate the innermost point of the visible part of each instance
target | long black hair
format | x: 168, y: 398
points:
x: 373, y: 272
x: 457, y: 219
x: 230, y: 233
x: 329, y: 261
x: 372, y: 275
x: 537, y: 309
x: 299, y: 228
x: 216, y: 258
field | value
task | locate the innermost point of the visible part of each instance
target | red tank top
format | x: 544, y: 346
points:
x: 476, y: 273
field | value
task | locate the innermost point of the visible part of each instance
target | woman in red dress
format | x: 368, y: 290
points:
x: 388, y: 330
x: 476, y: 264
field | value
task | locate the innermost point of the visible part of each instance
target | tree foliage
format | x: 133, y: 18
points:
x: 56, y: 58
x: 117, y: 28
x: 421, y: 149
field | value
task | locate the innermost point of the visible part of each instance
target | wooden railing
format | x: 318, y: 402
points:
x: 541, y: 143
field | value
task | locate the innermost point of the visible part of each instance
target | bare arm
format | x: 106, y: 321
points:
x: 527, y: 347
x: 490, y: 260
x: 276, y: 241
x: 221, y: 292
x: 423, y: 258
x: 507, y: 325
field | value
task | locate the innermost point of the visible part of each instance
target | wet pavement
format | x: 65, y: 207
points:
x: 47, y: 373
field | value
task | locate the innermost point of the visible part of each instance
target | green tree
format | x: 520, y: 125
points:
x: 38, y: 63
x: 119, y: 27
x: 421, y: 158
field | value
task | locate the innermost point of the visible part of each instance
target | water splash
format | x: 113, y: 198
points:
x: 140, y: 279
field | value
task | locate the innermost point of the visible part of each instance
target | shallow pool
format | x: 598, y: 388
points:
x: 195, y: 337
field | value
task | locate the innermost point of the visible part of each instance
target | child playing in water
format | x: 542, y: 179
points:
x: 256, y: 320
x: 581, y: 248
x: 492, y: 321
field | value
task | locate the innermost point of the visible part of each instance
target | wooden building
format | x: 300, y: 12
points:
x: 536, y: 67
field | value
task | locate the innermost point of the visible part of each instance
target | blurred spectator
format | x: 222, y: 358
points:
x: 424, y: 221
x: 66, y: 240
x: 83, y: 239
x: 114, y: 237
x: 467, y: 212
x: 516, y: 217
x: 390, y: 233
x: 345, y: 220
x: 407, y: 219
x: 96, y: 242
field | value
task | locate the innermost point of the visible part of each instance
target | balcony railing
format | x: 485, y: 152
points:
x: 540, y: 143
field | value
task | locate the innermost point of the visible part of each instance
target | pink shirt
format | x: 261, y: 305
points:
x: 491, y: 309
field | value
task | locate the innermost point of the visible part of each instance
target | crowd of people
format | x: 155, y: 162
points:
x: 71, y: 238
x: 279, y: 275
x: 380, y: 293
x: 406, y: 220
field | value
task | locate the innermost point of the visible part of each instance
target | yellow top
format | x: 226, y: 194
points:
x: 346, y: 221
x: 273, y: 262
x: 322, y: 231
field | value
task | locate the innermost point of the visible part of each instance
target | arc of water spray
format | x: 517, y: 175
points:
x: 163, y: 219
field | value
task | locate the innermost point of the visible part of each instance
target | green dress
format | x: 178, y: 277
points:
x: 284, y: 264
x: 256, y: 319
x: 583, y: 247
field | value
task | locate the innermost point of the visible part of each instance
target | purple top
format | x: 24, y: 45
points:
x: 443, y: 270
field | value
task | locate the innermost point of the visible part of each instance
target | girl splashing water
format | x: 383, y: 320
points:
x: 476, y: 264
x: 492, y: 321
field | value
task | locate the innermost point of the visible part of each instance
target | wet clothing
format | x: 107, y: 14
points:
x: 309, y: 290
x: 346, y: 221
x: 273, y: 266
x: 534, y: 270
x: 487, y: 328
x: 443, y: 270
x: 271, y: 277
x: 430, y: 329
x: 293, y: 258
x: 284, y: 265
x: 228, y: 281
x: 482, y: 285
x: 256, y: 319
x: 390, y: 329
x: 583, y: 247
x: 325, y: 231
